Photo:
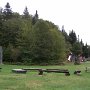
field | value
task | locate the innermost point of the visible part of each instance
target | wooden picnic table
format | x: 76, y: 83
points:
x: 48, y: 70
x: 19, y: 71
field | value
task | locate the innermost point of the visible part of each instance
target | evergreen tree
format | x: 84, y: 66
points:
x: 35, y: 18
x: 81, y: 42
x: 72, y: 37
x: 1, y: 14
x: 68, y: 45
x: 88, y: 51
x: 7, y: 12
x: 85, y: 51
x: 11, y: 30
x: 65, y: 34
x: 26, y: 13
x: 1, y: 10
x: 77, y: 48
x: 36, y: 15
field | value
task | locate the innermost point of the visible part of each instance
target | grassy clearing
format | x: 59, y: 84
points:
x: 49, y: 81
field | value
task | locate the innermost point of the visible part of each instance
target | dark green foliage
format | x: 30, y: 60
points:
x: 16, y: 15
x: 10, y: 32
x: 81, y: 42
x: 26, y: 13
x: 88, y: 51
x: 66, y: 36
x: 35, y: 18
x: 77, y: 48
x: 30, y: 40
x: 72, y: 37
x: 36, y: 15
x: 1, y: 14
x: 7, y: 54
x: 42, y: 42
x: 11, y: 54
x: 25, y: 40
x: 85, y: 51
x: 46, y: 45
x: 1, y: 29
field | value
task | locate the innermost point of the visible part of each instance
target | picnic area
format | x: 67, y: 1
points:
x: 31, y: 80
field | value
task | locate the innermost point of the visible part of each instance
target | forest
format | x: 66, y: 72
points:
x: 27, y: 39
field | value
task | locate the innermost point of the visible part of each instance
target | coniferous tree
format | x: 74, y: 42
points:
x: 26, y: 13
x: 85, y: 50
x: 11, y: 30
x: 72, y: 37
x: 68, y: 45
x: 1, y: 10
x: 35, y: 18
x: 81, y: 42
x: 65, y: 34
x: 77, y: 48
x: 36, y: 15
x: 40, y: 42
x: 1, y: 14
x: 88, y: 51
x: 7, y: 12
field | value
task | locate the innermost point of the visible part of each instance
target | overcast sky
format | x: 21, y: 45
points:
x: 73, y: 14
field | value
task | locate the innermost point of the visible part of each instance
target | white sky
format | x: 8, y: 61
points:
x: 73, y: 14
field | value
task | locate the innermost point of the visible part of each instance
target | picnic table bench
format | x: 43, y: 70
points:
x: 31, y: 69
x: 65, y: 71
x: 19, y: 71
x: 48, y: 70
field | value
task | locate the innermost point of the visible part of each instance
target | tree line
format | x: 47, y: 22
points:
x: 27, y: 39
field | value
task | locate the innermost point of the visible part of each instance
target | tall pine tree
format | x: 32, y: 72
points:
x: 7, y: 12
x: 26, y: 13
x: 35, y: 18
x: 72, y: 37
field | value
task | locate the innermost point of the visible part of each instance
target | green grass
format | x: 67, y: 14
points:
x: 49, y: 81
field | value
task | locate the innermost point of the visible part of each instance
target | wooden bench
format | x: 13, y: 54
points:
x: 87, y: 69
x: 19, y: 71
x: 33, y: 69
x: 48, y: 70
x: 66, y: 72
